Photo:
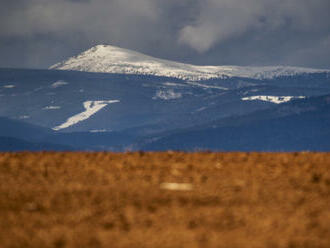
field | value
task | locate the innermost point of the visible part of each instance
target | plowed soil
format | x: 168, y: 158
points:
x: 171, y: 200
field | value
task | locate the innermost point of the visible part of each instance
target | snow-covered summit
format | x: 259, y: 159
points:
x: 111, y: 59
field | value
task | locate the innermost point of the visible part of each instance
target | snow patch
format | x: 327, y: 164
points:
x: 98, y: 131
x: 173, y: 84
x: 201, y: 109
x: 91, y: 108
x: 167, y: 95
x: 58, y: 84
x: 207, y: 86
x: 9, y: 86
x: 272, y: 99
x: 51, y: 107
x: 23, y: 117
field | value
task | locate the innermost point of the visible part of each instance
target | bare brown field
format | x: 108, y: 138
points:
x: 225, y: 200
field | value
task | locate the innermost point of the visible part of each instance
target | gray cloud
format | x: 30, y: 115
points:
x: 38, y: 33
x: 221, y: 20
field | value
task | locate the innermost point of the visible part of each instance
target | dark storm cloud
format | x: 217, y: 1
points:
x: 220, y: 20
x: 37, y: 33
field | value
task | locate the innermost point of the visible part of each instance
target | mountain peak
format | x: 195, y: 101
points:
x: 110, y: 51
x: 112, y: 59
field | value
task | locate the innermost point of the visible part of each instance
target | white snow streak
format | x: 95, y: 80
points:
x: 273, y: 99
x: 9, y: 86
x: 207, y: 86
x: 201, y: 109
x: 58, y: 84
x: 98, y: 131
x: 51, y: 107
x: 174, y: 84
x: 91, y: 107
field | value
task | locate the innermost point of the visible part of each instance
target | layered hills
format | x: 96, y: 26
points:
x: 109, y: 98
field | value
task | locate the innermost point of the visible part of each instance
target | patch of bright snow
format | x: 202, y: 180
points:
x: 273, y: 99
x: 9, y: 86
x: 111, y: 59
x: 98, y: 131
x: 51, y: 107
x: 58, y: 84
x: 167, y: 95
x: 91, y: 107
x: 174, y: 84
x: 207, y: 86
x: 22, y: 117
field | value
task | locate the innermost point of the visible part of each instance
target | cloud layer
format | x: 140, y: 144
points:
x: 221, y: 20
x: 37, y: 33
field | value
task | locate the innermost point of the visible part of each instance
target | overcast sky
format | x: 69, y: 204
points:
x: 39, y: 33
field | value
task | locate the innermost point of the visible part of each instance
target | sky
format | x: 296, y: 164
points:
x: 39, y: 33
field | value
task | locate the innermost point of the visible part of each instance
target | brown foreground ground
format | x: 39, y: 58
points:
x: 171, y: 200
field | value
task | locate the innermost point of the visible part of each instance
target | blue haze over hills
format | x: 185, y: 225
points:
x: 77, y: 110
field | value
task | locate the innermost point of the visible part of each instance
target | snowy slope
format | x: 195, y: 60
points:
x: 91, y: 108
x: 301, y: 125
x: 111, y: 59
x: 272, y: 99
x: 81, y: 106
x: 54, y: 99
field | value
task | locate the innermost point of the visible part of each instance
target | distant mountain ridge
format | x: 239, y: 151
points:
x: 22, y: 130
x: 303, y: 124
x: 20, y: 136
x: 74, y: 110
x: 111, y: 59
